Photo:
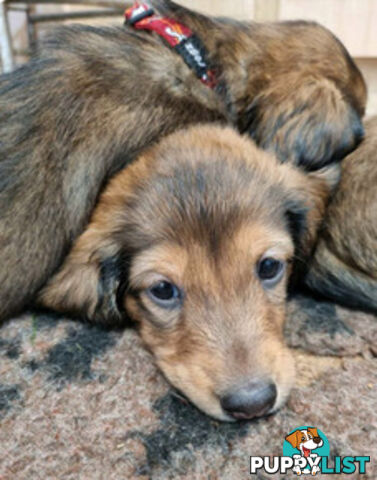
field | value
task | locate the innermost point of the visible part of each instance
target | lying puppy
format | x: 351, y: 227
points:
x: 195, y: 241
x: 93, y: 98
x: 344, y: 267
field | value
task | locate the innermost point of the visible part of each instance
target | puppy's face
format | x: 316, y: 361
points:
x: 305, y: 440
x: 213, y: 319
x: 200, y: 234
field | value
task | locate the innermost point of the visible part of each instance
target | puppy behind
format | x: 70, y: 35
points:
x: 93, y: 98
x: 344, y: 267
x: 195, y: 241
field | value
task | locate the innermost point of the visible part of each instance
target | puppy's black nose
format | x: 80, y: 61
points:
x: 252, y: 400
x: 317, y: 440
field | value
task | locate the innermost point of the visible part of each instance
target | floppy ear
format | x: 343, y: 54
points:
x: 91, y: 280
x: 307, y: 198
x: 294, y: 438
x: 304, y: 120
x: 313, y: 431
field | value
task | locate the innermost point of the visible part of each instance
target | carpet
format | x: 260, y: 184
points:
x: 81, y: 402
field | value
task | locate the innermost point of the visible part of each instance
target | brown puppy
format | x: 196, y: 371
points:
x: 195, y: 241
x: 93, y: 98
x: 344, y: 267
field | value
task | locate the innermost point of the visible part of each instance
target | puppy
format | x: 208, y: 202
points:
x: 195, y: 241
x: 93, y: 98
x: 344, y: 267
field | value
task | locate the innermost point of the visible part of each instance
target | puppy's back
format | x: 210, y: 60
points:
x: 69, y: 119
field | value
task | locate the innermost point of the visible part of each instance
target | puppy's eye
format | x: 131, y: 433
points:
x: 270, y: 271
x: 165, y: 294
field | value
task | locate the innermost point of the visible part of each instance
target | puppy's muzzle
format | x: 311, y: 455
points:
x: 255, y: 399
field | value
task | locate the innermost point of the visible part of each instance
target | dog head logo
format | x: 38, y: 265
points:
x: 307, y: 446
x: 305, y: 440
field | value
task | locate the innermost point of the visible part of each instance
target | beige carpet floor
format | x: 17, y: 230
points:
x: 79, y: 402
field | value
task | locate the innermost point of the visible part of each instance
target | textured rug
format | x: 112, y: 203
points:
x: 79, y: 402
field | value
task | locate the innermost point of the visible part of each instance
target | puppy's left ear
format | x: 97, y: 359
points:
x: 304, y: 120
x: 91, y: 282
x: 307, y: 199
x: 294, y: 438
x: 313, y: 431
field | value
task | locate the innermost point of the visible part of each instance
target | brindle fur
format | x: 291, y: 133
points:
x: 344, y: 267
x: 200, y: 209
x: 93, y: 98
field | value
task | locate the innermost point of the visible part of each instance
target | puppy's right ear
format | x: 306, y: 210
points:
x: 90, y: 282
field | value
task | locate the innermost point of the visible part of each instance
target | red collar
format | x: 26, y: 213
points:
x: 142, y: 17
